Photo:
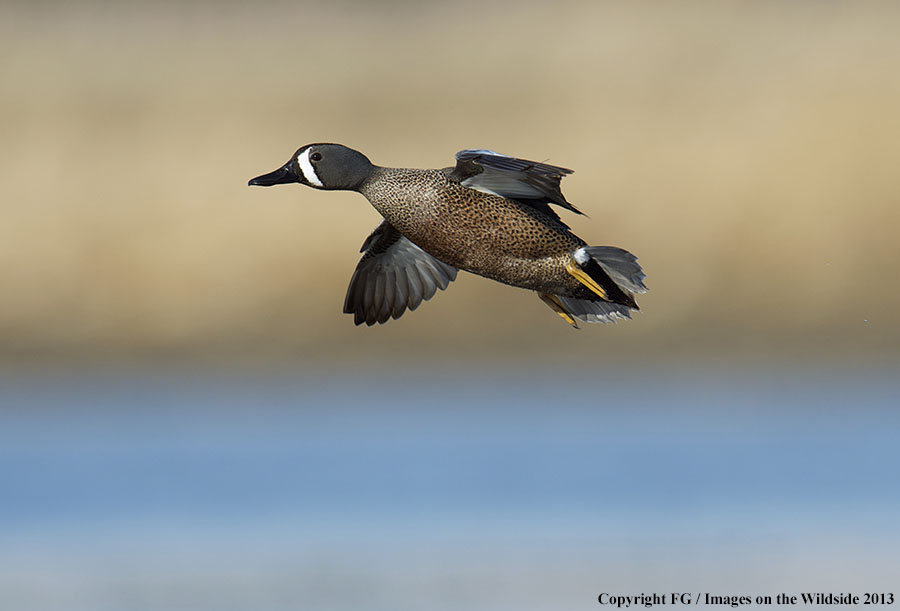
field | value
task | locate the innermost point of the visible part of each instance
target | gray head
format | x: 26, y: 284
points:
x: 321, y: 166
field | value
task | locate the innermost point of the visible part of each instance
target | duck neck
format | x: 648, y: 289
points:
x: 368, y: 185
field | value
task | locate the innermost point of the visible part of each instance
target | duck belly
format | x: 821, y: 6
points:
x: 500, y: 240
x: 478, y: 232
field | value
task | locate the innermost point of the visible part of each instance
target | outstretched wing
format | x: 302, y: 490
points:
x: 528, y: 182
x: 393, y: 275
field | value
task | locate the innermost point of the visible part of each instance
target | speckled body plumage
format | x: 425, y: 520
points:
x: 475, y: 231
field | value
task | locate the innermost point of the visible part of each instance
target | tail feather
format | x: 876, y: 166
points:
x: 596, y: 311
x: 621, y: 265
x: 614, y: 275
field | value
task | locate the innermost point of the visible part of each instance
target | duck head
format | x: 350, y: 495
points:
x: 321, y: 166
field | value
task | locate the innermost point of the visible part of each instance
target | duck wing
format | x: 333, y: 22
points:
x: 528, y: 182
x: 393, y: 275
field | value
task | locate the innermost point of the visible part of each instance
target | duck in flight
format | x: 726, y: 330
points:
x: 489, y: 215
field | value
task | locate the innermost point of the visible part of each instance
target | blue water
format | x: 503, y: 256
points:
x: 531, y: 490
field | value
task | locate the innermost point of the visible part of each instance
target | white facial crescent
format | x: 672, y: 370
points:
x: 309, y: 172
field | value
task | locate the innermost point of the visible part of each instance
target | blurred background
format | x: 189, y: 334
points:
x: 188, y: 421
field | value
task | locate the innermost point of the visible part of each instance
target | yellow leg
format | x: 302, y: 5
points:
x: 586, y: 280
x: 557, y: 306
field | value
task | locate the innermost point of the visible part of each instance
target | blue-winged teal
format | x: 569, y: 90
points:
x: 489, y: 215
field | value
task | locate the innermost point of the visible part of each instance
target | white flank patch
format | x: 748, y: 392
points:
x: 309, y: 172
x: 581, y: 256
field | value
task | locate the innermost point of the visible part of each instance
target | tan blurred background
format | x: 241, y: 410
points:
x: 747, y: 152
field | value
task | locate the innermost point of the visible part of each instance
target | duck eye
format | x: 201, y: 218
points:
x: 316, y: 157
